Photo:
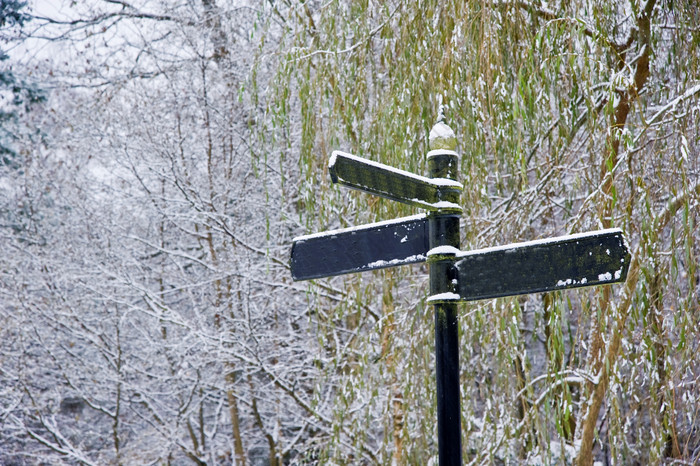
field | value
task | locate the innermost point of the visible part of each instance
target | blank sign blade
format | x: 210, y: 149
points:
x: 391, y: 183
x: 594, y: 258
x: 369, y: 247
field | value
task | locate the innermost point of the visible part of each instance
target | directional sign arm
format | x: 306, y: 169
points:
x: 369, y: 247
x: 391, y: 183
x: 595, y: 258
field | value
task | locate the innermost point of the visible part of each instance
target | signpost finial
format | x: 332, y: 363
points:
x: 441, y: 135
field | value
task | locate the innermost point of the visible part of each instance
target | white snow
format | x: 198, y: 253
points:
x: 331, y: 159
x: 436, y: 152
x: 359, y: 227
x: 441, y: 130
x: 433, y: 181
x: 443, y: 250
x: 605, y: 277
x: 444, y: 297
x: 445, y: 182
x: 538, y: 242
x: 383, y: 263
x: 572, y: 281
x: 445, y: 205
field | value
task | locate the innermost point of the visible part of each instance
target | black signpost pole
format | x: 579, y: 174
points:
x: 443, y: 240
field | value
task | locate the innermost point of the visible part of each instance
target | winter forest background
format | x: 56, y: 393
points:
x: 158, y: 156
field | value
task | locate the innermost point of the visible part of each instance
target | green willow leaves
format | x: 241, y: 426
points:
x: 570, y: 116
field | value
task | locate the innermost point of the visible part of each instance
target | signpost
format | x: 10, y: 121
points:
x: 593, y: 258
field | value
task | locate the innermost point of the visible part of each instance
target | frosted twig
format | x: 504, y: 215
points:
x: 354, y: 46
x: 650, y: 121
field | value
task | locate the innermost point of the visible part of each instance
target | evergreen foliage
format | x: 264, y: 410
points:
x: 16, y: 95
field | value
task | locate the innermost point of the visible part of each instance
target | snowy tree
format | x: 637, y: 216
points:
x: 153, y: 323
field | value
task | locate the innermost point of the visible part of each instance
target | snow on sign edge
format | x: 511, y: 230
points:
x: 544, y: 241
x: 443, y: 182
x: 366, y: 226
x: 380, y: 264
x: 449, y: 296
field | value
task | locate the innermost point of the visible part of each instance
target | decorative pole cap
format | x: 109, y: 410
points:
x: 442, y: 136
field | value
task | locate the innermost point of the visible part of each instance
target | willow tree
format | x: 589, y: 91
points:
x: 570, y: 116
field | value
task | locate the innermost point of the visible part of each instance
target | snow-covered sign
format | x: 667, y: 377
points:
x: 586, y: 259
x: 357, y: 249
x: 392, y: 183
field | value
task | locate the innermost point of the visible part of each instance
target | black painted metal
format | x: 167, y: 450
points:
x: 443, y: 230
x: 596, y: 258
x: 383, y: 180
x: 447, y: 378
x: 370, y: 247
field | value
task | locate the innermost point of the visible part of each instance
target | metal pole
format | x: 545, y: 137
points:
x: 443, y: 230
